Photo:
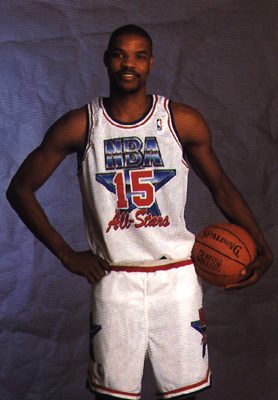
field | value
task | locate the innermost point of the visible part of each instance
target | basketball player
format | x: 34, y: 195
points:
x: 134, y: 152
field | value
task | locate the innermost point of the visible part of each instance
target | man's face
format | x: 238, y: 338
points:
x: 129, y: 61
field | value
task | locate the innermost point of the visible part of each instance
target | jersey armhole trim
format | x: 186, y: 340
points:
x: 89, y: 123
x: 174, y: 130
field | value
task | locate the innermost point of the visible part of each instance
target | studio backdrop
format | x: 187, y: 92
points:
x: 218, y: 56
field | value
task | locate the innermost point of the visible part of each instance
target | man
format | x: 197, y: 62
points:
x: 146, y: 297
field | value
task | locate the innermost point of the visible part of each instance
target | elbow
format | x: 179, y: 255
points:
x: 12, y: 193
x: 225, y: 194
x: 20, y: 192
x: 15, y: 193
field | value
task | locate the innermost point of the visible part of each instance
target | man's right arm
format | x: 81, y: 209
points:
x: 66, y: 136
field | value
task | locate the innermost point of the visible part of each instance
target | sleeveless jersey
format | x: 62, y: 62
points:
x: 133, y: 180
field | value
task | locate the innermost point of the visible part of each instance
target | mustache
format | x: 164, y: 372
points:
x: 125, y: 70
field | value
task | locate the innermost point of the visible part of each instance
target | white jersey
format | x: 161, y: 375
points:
x: 133, y: 180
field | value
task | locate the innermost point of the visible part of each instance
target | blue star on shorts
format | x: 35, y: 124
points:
x: 94, y: 329
x: 200, y: 326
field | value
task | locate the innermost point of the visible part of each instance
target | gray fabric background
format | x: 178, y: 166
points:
x: 219, y: 56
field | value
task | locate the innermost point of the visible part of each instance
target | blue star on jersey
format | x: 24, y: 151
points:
x: 155, y: 180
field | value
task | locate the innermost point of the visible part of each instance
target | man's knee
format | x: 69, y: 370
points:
x: 184, y: 397
x: 100, y: 396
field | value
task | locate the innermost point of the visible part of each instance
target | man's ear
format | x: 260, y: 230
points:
x: 105, y: 58
x: 151, y: 63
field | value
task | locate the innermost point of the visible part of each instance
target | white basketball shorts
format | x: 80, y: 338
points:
x: 159, y: 314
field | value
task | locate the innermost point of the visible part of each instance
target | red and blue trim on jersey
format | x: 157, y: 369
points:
x: 148, y: 115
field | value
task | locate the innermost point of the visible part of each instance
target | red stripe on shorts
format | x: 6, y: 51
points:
x: 185, y: 389
x: 114, y: 392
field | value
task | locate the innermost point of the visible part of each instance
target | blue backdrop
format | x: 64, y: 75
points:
x: 218, y: 56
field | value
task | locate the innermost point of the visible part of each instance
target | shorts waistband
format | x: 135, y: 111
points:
x: 138, y: 268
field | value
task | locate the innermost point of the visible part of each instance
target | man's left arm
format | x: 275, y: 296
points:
x: 196, y: 140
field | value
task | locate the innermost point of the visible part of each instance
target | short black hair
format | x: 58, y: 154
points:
x: 130, y: 29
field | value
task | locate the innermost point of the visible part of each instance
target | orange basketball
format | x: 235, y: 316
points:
x: 221, y: 251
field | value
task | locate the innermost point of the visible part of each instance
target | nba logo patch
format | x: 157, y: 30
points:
x: 159, y: 124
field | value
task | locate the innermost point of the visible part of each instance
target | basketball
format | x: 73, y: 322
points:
x: 221, y: 251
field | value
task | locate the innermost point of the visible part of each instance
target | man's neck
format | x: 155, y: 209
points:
x: 128, y: 108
